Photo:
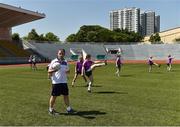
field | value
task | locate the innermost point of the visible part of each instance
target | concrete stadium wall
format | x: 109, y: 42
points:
x: 129, y: 52
x: 142, y: 52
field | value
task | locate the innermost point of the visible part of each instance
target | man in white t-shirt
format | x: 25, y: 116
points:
x: 58, y: 70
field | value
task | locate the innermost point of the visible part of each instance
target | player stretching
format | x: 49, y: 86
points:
x: 78, y: 69
x: 88, y: 67
x: 151, y: 63
x: 118, y: 64
x: 169, y: 62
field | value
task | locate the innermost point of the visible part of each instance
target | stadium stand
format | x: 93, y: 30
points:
x: 10, y: 49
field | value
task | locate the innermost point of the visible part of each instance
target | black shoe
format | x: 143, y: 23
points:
x: 53, y: 112
x: 159, y: 65
x: 105, y: 62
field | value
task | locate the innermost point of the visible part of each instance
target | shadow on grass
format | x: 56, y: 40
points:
x: 86, y: 86
x: 86, y: 114
x: 126, y: 75
x: 110, y: 92
x: 157, y: 72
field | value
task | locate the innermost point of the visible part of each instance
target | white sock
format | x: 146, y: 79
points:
x: 89, y: 83
x: 50, y: 109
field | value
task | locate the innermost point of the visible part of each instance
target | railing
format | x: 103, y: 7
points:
x: 13, y: 60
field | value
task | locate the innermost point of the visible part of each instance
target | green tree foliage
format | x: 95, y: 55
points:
x: 155, y: 39
x: 71, y: 38
x: 178, y: 40
x: 51, y: 37
x: 33, y: 35
x: 15, y: 37
x: 97, y: 33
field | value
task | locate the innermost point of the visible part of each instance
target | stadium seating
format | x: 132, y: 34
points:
x: 9, y: 49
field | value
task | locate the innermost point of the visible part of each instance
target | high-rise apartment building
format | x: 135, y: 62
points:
x: 130, y: 18
x: 157, y: 23
x: 127, y: 18
x: 149, y: 23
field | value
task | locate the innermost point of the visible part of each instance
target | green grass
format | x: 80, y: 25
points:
x: 135, y: 98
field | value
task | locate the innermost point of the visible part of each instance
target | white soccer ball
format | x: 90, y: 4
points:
x: 56, y: 66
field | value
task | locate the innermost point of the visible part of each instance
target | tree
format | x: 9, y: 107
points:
x: 33, y: 35
x: 15, y: 37
x: 155, y: 39
x: 71, y: 38
x: 51, y: 37
x: 92, y: 36
x: 96, y: 33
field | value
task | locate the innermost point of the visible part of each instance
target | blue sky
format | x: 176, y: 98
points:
x: 64, y: 17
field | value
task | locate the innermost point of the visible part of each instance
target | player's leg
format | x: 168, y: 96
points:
x: 52, y: 101
x: 119, y: 69
x: 84, y: 77
x: 91, y: 79
x: 150, y: 68
x: 170, y: 66
x: 98, y: 65
x: 74, y: 79
x: 65, y: 93
x: 158, y: 65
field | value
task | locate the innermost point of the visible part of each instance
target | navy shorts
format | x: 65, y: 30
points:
x: 88, y: 73
x: 60, y: 89
x: 78, y: 73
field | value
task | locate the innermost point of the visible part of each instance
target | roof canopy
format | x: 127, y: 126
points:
x: 11, y: 16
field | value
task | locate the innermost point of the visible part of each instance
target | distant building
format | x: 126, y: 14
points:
x: 157, y: 23
x: 149, y: 23
x: 167, y: 36
x: 127, y: 18
x: 130, y: 18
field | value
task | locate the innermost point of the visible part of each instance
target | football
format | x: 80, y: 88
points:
x: 56, y: 66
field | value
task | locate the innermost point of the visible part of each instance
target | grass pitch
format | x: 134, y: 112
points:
x: 135, y: 98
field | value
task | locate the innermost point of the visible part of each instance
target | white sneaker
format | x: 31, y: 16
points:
x: 89, y: 89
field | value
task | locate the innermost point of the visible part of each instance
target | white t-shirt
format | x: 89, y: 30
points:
x: 59, y: 76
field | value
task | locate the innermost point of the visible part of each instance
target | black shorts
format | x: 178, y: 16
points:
x: 78, y: 73
x: 118, y: 66
x: 88, y: 73
x: 59, y: 89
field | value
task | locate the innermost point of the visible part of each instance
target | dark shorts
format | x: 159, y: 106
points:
x: 88, y: 73
x: 151, y: 64
x: 118, y: 66
x: 78, y: 73
x: 60, y: 89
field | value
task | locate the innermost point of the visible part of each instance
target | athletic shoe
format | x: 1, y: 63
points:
x: 105, y: 62
x: 72, y: 84
x: 159, y: 65
x: 53, y: 112
x: 71, y: 111
x: 89, y: 89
